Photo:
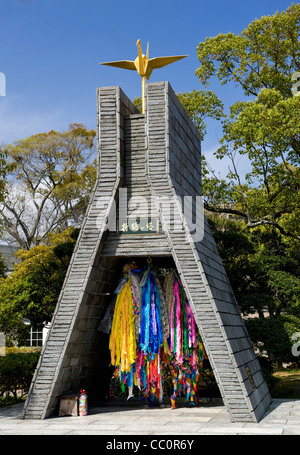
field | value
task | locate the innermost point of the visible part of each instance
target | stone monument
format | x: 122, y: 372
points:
x: 154, y: 158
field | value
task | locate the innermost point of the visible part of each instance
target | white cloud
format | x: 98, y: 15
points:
x: 17, y: 121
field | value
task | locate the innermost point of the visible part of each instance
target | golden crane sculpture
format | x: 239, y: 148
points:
x: 144, y: 66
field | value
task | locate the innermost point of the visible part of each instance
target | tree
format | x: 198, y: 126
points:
x: 262, y: 269
x: 261, y: 61
x: 274, y: 337
x: 32, y: 290
x: 201, y: 104
x: 3, y: 268
x: 264, y: 273
x: 50, y: 184
x: 265, y: 55
x: 5, y: 169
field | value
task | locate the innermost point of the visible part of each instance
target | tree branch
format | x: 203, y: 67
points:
x: 275, y: 224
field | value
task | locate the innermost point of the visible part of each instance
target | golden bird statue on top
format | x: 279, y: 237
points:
x: 144, y: 66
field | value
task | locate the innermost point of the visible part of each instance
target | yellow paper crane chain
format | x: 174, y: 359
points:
x: 122, y: 342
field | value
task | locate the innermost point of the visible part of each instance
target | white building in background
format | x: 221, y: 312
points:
x: 37, y: 335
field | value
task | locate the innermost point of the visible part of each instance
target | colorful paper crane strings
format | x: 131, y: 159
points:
x: 154, y: 336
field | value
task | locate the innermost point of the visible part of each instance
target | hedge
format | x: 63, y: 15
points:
x: 16, y: 371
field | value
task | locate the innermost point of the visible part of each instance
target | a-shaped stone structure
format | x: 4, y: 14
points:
x: 154, y: 158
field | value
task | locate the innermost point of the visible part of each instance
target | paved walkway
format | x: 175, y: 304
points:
x: 283, y: 418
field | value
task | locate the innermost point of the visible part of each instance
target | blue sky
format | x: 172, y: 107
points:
x: 51, y: 49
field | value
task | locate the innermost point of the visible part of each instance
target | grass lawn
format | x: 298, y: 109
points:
x: 287, y: 384
x: 10, y: 401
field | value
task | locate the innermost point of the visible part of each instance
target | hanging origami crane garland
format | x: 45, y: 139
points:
x: 186, y: 350
x: 153, y: 334
x: 154, y: 331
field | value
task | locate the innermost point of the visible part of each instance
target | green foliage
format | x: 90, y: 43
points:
x: 273, y: 336
x: 5, y: 168
x: 262, y: 269
x: 138, y: 103
x: 265, y: 129
x: 200, y: 105
x: 264, y: 273
x: 16, y: 371
x: 264, y: 55
x: 22, y: 349
x: 54, y: 176
x: 32, y: 290
x: 268, y: 370
x: 271, y: 143
x: 3, y: 267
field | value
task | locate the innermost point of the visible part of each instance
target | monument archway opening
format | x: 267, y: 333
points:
x: 154, y: 351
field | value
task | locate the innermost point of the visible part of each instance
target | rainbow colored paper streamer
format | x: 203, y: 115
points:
x: 151, y: 330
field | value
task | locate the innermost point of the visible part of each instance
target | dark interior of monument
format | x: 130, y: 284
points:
x: 108, y: 389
